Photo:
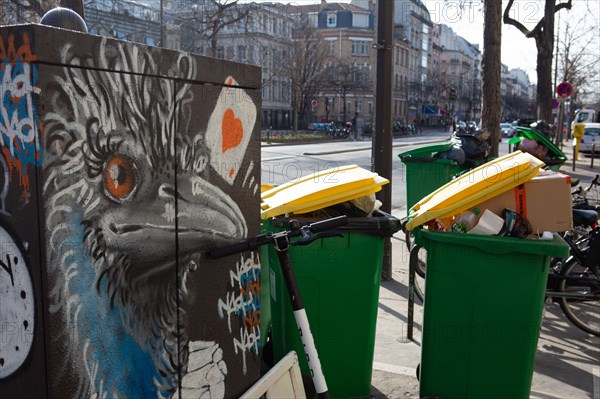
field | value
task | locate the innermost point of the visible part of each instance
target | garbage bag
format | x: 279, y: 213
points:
x: 456, y: 153
x: 534, y: 148
x: 475, y: 150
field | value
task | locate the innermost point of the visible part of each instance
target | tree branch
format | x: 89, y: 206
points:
x: 560, y: 6
x: 509, y: 21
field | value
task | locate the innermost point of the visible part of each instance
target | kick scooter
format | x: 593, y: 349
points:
x: 281, y: 242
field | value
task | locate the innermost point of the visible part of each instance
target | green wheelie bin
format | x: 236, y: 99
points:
x: 555, y: 158
x: 339, y: 280
x: 425, y: 172
x: 482, y: 314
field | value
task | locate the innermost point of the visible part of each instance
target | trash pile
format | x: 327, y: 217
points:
x: 539, y: 144
x: 509, y: 196
x: 345, y: 190
x: 466, y: 149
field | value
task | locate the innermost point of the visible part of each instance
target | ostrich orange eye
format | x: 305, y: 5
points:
x: 119, y: 177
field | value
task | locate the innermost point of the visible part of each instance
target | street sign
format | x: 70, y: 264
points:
x: 564, y: 90
x: 555, y: 103
x: 313, y: 103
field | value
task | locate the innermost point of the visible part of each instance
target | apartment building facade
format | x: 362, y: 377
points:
x: 437, y: 74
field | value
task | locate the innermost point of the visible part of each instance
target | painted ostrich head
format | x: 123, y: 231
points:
x: 129, y: 211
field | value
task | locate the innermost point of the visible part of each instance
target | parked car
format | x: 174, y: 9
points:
x: 591, y: 136
x: 506, y: 130
x: 513, y: 127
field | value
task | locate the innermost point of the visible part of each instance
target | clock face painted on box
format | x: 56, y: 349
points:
x: 16, y: 306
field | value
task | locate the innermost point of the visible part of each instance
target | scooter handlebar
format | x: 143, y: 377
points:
x: 328, y: 224
x: 247, y: 245
x: 262, y: 239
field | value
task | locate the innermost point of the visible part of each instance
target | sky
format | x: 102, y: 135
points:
x: 517, y: 50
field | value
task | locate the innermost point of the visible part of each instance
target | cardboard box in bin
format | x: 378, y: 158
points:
x: 544, y: 200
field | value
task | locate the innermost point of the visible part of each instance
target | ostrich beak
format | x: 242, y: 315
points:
x: 195, y: 218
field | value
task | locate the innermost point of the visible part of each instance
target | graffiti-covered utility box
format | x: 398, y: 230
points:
x: 121, y: 165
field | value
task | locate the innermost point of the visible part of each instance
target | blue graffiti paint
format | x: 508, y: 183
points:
x: 19, y: 122
x: 123, y: 366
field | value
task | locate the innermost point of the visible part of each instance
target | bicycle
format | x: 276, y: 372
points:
x: 589, y: 197
x: 281, y: 241
x: 575, y: 281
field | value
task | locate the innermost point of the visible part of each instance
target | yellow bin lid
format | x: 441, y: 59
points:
x: 474, y: 187
x: 320, y: 190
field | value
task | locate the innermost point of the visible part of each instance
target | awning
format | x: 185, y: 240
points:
x: 429, y: 110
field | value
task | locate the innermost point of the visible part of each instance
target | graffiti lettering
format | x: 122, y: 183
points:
x: 16, y: 114
x: 18, y: 121
x: 245, y: 304
x: 248, y: 342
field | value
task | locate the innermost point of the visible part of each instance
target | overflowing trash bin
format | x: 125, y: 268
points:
x: 483, y: 312
x: 539, y: 145
x: 338, y: 278
x: 426, y: 171
x: 485, y: 293
x: 432, y: 166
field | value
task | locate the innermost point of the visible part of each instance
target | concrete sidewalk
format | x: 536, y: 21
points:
x: 567, y: 363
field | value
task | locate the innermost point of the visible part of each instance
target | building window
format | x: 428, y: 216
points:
x: 241, y: 53
x: 265, y: 90
x: 331, y: 19
x: 220, y: 52
x: 361, y: 47
x: 360, y: 20
x: 359, y: 105
x: 263, y: 23
x: 275, y: 88
x: 331, y: 47
x: 424, y: 60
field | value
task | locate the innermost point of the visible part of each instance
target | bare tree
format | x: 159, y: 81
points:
x: 304, y: 69
x: 343, y: 78
x: 578, y: 62
x: 21, y: 11
x: 207, y: 18
x: 543, y: 33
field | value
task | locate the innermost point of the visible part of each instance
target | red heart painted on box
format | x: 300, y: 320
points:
x: 232, y: 130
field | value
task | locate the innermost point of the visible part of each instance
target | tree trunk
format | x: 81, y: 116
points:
x: 545, y: 45
x: 491, y: 65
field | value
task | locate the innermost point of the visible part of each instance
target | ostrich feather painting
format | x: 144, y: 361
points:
x: 144, y: 169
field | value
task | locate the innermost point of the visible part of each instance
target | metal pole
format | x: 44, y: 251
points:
x: 162, y: 26
x: 381, y: 161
